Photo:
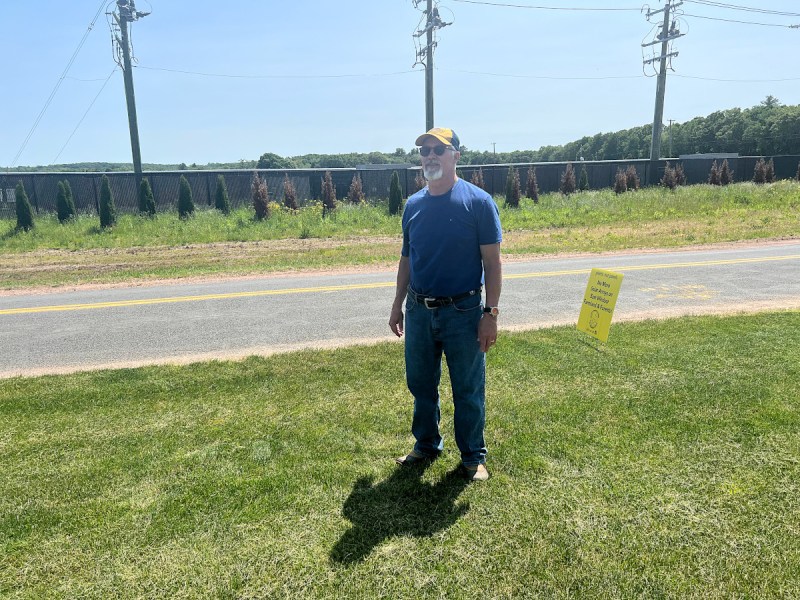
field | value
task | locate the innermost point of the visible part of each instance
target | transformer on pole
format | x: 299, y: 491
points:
x: 127, y: 13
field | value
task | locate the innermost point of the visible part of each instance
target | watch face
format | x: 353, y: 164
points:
x: 492, y: 310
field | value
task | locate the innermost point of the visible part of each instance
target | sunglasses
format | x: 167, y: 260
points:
x: 437, y: 150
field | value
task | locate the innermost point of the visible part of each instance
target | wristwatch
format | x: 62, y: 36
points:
x: 492, y: 310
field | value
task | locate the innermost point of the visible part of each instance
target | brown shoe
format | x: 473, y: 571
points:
x: 476, y: 473
x: 413, y: 458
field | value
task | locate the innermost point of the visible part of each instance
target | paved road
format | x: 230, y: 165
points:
x: 62, y: 332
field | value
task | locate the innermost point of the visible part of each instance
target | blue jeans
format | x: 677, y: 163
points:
x: 452, y: 330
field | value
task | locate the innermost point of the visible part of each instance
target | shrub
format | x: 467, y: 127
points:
x: 23, y: 207
x: 632, y: 179
x: 568, y: 180
x: 289, y: 193
x: 669, y: 180
x: 147, y: 204
x: 328, y: 194
x: 63, y: 208
x: 260, y: 194
x: 477, y: 179
x: 760, y: 171
x: 620, y: 182
x: 108, y: 212
x: 531, y: 186
x: 221, y: 200
x: 769, y: 172
x: 725, y: 173
x: 513, y: 191
x: 70, y: 199
x: 395, y: 194
x: 713, y: 174
x: 680, y: 176
x: 583, y: 180
x: 185, y: 202
x: 798, y: 172
x: 419, y: 181
x: 356, y: 192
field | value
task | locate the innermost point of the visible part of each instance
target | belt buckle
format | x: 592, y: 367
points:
x: 428, y: 306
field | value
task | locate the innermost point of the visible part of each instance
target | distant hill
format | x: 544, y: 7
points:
x: 768, y: 129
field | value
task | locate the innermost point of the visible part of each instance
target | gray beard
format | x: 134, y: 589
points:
x: 433, y: 174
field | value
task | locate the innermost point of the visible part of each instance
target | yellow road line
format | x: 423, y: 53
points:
x: 366, y: 286
x: 705, y: 263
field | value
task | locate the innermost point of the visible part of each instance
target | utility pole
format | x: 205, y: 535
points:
x: 667, y: 34
x: 128, y: 14
x: 425, y: 56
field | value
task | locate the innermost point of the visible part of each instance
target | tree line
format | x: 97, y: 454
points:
x: 768, y: 129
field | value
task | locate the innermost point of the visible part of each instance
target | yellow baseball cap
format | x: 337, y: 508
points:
x: 446, y: 136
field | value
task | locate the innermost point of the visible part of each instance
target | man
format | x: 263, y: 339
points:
x: 451, y: 239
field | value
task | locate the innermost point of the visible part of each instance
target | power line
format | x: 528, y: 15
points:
x: 580, y: 9
x: 84, y: 115
x: 232, y: 76
x: 741, y: 22
x: 58, y: 83
x: 547, y: 77
x: 764, y: 11
x: 613, y: 77
x: 738, y: 80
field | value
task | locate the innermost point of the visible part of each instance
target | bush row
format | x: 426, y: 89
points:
x: 625, y: 180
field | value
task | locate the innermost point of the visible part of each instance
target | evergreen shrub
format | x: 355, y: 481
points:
x: 632, y: 179
x: 289, y: 193
x: 669, y: 180
x: 395, y: 194
x: 568, y: 180
x: 147, y: 203
x: 258, y: 187
x: 70, y: 199
x: 713, y: 174
x: 477, y: 179
x: 328, y: 194
x: 108, y: 212
x: 532, y: 186
x: 769, y: 172
x: 64, y: 208
x: 680, y: 176
x: 725, y: 173
x: 185, y: 202
x: 23, y: 209
x: 513, y: 191
x: 221, y: 200
x: 583, y: 180
x: 620, y: 182
x: 760, y: 171
x: 356, y: 192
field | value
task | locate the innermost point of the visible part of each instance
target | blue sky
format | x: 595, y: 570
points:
x: 329, y: 77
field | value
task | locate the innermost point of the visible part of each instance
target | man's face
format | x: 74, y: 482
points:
x: 435, y: 167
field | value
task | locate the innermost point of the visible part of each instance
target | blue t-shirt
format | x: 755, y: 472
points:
x: 442, y: 236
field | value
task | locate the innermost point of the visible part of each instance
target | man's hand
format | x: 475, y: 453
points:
x: 487, y: 332
x: 396, y: 321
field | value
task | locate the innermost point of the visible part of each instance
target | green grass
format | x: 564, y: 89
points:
x: 355, y: 236
x: 665, y: 466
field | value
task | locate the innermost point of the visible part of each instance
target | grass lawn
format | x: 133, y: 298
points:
x: 212, y: 244
x: 665, y: 466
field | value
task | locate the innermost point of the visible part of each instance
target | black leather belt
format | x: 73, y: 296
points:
x: 437, y: 301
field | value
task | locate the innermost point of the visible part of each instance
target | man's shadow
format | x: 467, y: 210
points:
x: 403, y: 504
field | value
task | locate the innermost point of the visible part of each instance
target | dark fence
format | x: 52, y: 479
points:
x: 42, y: 188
